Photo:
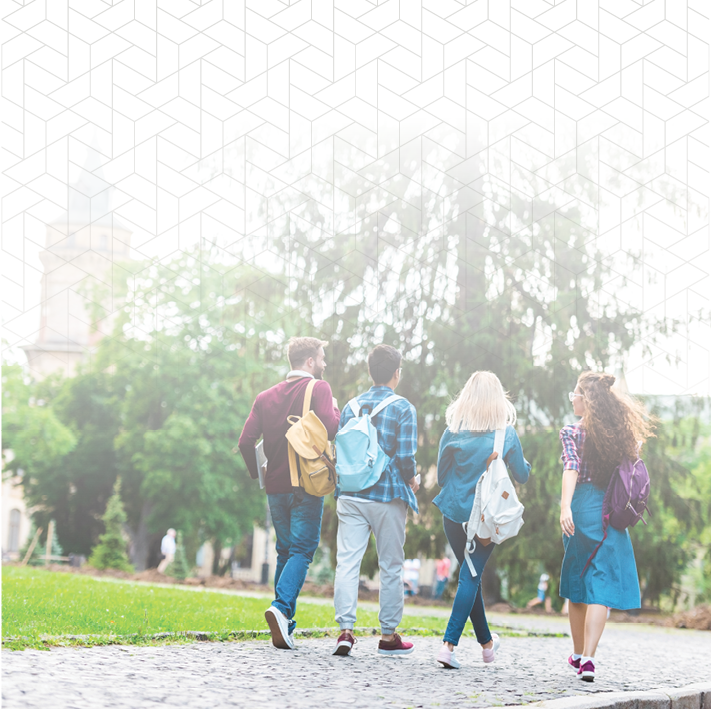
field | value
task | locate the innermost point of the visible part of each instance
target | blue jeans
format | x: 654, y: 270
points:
x: 297, y: 522
x: 468, y: 603
x: 440, y: 585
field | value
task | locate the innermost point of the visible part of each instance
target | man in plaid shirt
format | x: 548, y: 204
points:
x: 381, y: 509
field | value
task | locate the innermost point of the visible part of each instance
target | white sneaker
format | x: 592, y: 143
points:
x: 447, y: 659
x: 489, y: 654
x: 279, y: 625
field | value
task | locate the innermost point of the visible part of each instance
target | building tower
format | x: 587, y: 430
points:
x: 81, y: 251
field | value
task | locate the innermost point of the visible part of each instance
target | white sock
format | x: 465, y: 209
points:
x: 576, y: 656
x: 584, y: 659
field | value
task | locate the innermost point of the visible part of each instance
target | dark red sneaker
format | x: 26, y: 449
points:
x: 396, y: 646
x: 344, y: 645
x: 575, y: 664
x: 587, y: 672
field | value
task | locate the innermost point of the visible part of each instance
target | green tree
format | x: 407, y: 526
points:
x: 78, y: 489
x: 31, y: 429
x: 179, y: 567
x: 110, y: 552
x: 208, y: 341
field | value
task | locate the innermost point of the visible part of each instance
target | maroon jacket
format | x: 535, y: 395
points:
x: 268, y: 418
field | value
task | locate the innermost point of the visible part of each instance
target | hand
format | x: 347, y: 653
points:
x: 566, y: 521
x: 335, y: 402
x: 414, y: 485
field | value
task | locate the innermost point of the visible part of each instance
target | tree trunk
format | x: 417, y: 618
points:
x: 139, y: 540
x: 491, y: 584
x: 217, y: 546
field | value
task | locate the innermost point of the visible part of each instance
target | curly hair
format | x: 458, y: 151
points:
x: 616, y: 426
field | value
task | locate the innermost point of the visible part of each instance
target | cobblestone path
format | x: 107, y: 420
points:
x: 254, y: 674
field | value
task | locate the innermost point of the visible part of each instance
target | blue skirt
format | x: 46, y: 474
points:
x: 611, y: 579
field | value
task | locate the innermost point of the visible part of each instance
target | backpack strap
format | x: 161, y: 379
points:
x: 355, y: 406
x: 294, y: 473
x: 307, y: 397
x: 499, y: 436
x: 384, y: 404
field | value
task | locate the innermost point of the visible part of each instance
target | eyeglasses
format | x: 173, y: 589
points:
x: 572, y: 395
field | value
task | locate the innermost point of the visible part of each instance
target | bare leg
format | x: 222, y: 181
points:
x: 576, y: 616
x: 594, y: 625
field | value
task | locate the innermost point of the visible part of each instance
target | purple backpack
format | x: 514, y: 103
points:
x: 625, y: 499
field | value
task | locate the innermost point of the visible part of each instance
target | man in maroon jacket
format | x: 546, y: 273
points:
x: 296, y: 515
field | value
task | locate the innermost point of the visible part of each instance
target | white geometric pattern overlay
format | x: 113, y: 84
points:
x: 233, y: 119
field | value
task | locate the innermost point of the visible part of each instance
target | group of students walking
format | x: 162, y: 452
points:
x: 594, y: 576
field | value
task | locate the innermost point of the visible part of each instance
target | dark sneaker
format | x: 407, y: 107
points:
x: 396, y: 646
x: 279, y: 625
x: 344, y: 644
x: 575, y: 664
x: 587, y: 672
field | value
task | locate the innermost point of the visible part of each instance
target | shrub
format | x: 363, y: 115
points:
x: 110, y: 552
x: 179, y: 567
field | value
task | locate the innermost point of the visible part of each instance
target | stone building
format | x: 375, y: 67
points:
x: 83, y: 248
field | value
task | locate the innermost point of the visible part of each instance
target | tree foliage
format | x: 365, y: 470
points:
x: 110, y: 552
x: 179, y: 568
x: 164, y: 400
x: 30, y: 427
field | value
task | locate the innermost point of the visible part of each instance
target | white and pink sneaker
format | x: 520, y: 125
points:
x: 447, y: 659
x: 489, y: 654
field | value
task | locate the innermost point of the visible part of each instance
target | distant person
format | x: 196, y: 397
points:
x: 296, y: 514
x: 442, y: 571
x: 542, y: 596
x: 466, y: 447
x: 612, y: 427
x: 167, y: 550
x: 411, y: 576
x: 380, y: 508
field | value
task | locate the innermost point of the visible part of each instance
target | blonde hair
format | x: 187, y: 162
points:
x: 482, y: 405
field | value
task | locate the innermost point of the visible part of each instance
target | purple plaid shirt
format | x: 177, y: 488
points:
x: 572, y: 437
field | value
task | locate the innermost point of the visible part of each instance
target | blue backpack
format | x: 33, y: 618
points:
x: 360, y: 461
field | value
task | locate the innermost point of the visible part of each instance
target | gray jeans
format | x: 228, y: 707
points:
x: 356, y: 519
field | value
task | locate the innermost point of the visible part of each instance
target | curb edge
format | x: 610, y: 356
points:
x: 693, y: 696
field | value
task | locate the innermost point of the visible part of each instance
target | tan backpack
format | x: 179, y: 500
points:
x: 310, y: 456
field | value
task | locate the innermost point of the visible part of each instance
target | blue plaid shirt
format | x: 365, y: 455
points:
x: 397, y: 436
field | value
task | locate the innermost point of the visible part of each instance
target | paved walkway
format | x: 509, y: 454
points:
x: 254, y: 674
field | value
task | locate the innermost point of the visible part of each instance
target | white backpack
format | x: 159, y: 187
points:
x: 497, y: 513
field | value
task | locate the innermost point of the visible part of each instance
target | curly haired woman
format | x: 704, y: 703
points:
x: 612, y: 427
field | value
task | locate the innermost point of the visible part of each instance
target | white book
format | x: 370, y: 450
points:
x: 261, y: 463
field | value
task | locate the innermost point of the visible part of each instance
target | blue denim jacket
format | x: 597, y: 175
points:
x: 462, y: 460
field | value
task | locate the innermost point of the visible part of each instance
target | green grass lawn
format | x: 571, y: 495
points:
x: 40, y: 603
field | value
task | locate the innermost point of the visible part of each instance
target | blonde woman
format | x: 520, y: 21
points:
x: 481, y: 408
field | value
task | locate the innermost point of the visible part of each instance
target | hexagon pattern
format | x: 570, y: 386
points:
x: 145, y: 124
